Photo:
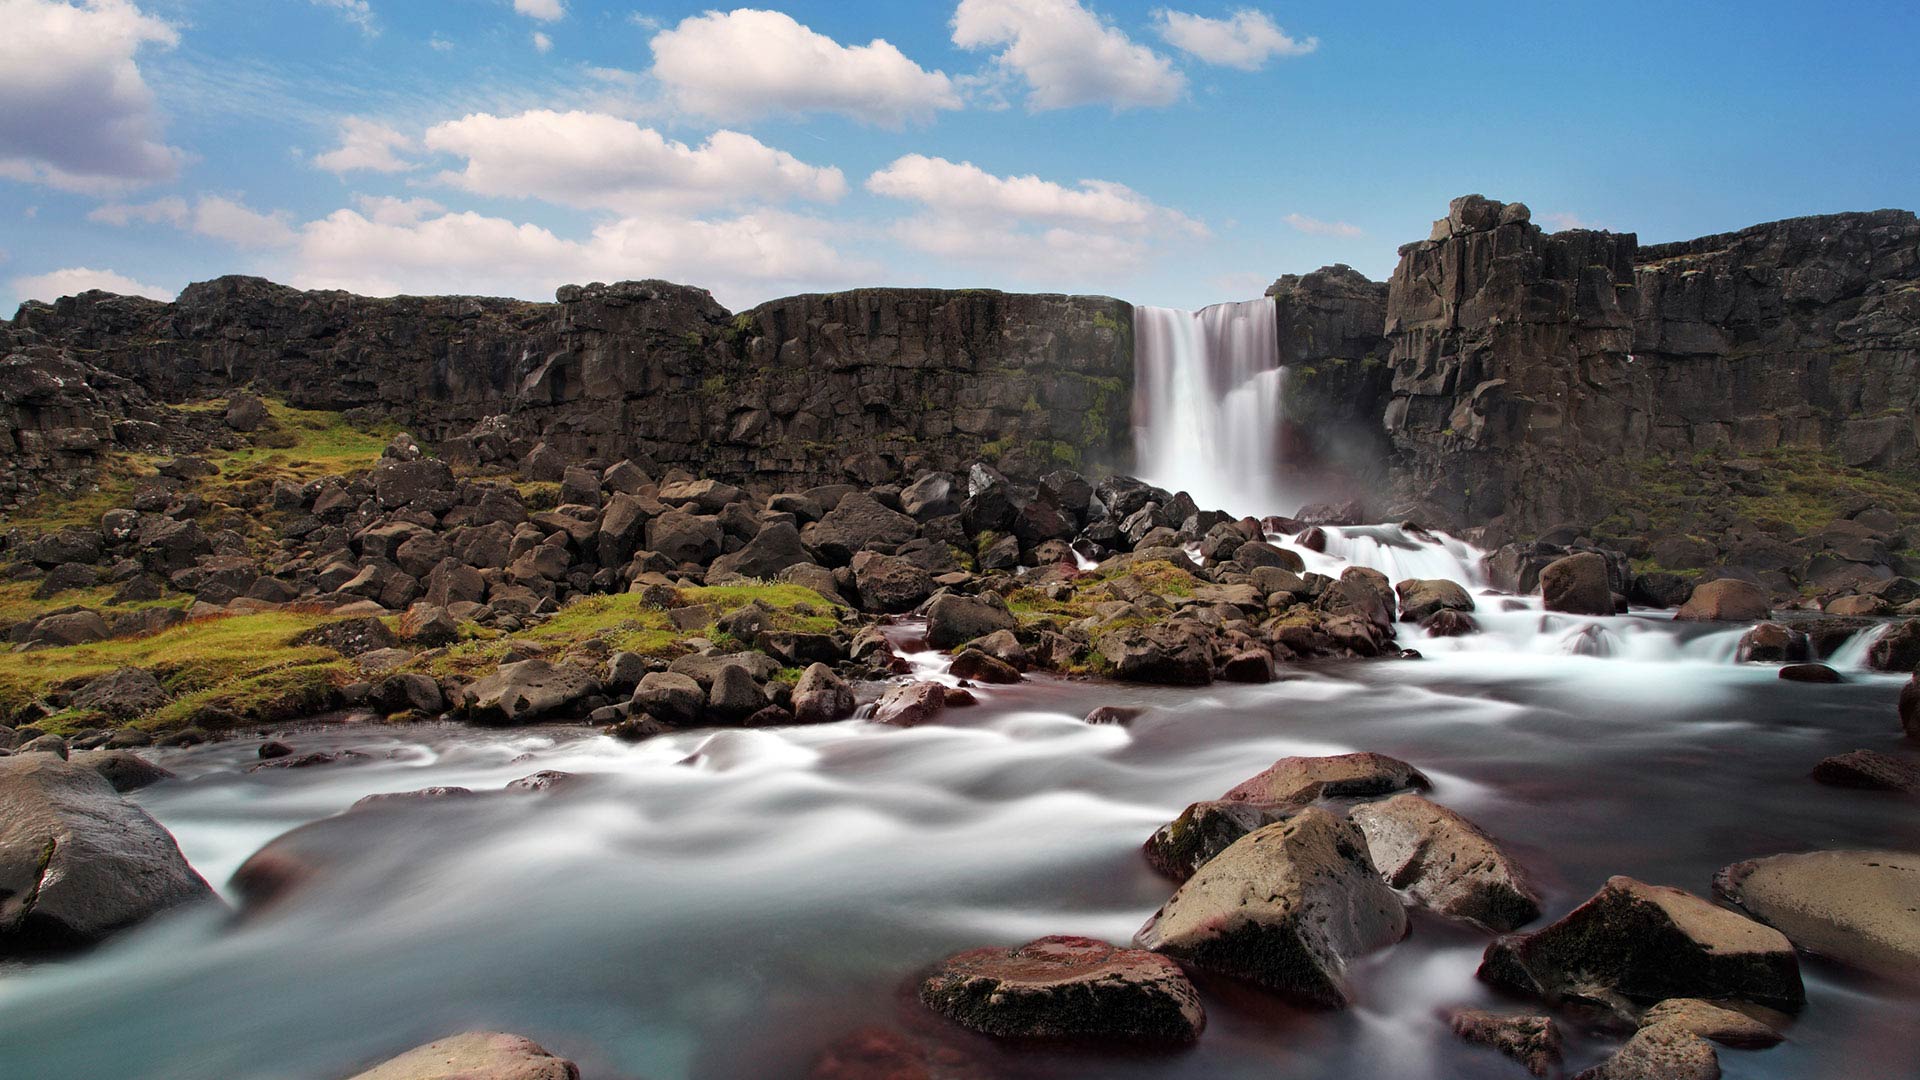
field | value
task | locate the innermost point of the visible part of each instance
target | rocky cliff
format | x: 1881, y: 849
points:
x: 804, y: 389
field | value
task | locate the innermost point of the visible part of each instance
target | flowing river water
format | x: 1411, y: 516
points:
x: 725, y: 904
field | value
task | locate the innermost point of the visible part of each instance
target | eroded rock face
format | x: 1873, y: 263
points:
x: 1286, y: 907
x: 1634, y: 943
x: 1856, y: 907
x: 475, y: 1055
x: 1445, y: 863
x: 1067, y: 987
x: 78, y: 862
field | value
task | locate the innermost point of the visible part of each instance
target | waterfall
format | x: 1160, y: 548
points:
x: 1207, y: 404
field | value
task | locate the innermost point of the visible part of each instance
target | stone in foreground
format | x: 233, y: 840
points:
x: 1635, y: 944
x: 1205, y: 829
x: 1286, y: 907
x: 1445, y: 863
x: 1857, y: 907
x: 1067, y: 987
x: 1724, y: 1024
x: 77, y: 861
x: 1661, y: 1052
x: 1533, y: 1041
x: 475, y: 1055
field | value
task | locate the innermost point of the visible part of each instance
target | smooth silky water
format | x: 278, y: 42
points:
x: 724, y: 904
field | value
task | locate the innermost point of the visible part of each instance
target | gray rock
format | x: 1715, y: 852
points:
x: 821, y: 696
x: 954, y: 620
x: 734, y: 695
x: 775, y: 548
x: 525, y: 692
x: 888, y: 584
x: 125, y: 771
x: 1856, y: 907
x: 671, y: 697
x: 910, y: 704
x: 1445, y: 863
x: 1870, y: 770
x: 123, y: 694
x: 858, y: 523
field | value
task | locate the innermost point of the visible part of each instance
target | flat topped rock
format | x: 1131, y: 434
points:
x: 1445, y: 863
x: 1302, y: 779
x: 1857, y: 907
x: 1286, y: 907
x: 475, y: 1055
x: 1661, y: 1052
x: 1869, y: 770
x: 1638, y: 943
x: 1067, y: 987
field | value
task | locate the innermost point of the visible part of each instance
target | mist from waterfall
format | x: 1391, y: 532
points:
x: 1207, y: 405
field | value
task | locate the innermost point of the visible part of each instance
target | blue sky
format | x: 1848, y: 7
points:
x: 1173, y: 153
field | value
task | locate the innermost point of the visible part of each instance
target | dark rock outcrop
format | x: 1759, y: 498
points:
x: 1067, y: 987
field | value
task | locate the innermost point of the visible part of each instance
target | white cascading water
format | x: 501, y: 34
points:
x: 1207, y: 404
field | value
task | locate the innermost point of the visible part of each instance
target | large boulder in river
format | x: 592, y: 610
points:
x: 77, y: 861
x: 1773, y: 643
x: 1577, y: 585
x: 1421, y: 597
x: 1205, y: 829
x: 1067, y: 987
x: 1857, y: 907
x: 1445, y: 863
x: 821, y: 697
x: 1898, y: 649
x: 524, y: 692
x: 475, y: 1055
x: 1286, y: 907
x: 1725, y: 600
x: 1357, y: 775
x: 1166, y: 655
x: 1634, y: 944
x: 910, y: 704
x: 954, y: 620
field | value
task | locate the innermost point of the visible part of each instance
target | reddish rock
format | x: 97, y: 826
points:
x: 910, y: 704
x: 977, y: 666
x: 1661, y: 1052
x: 1296, y: 779
x: 1870, y: 770
x: 475, y: 1055
x: 1577, y: 585
x: 1725, y: 600
x: 1810, y: 673
x: 1445, y: 863
x: 1072, y: 987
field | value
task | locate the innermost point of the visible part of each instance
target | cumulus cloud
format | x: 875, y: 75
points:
x: 357, y: 12
x: 1316, y: 227
x: 172, y: 210
x: 366, y: 144
x: 597, y: 161
x: 1026, y: 225
x: 1246, y: 40
x: 746, y: 63
x: 228, y: 220
x: 541, y: 42
x: 742, y: 259
x: 544, y: 10
x: 77, y: 114
x: 78, y: 279
x: 1066, y: 55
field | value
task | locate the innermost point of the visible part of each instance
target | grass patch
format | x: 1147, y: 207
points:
x: 17, y: 603
x: 1798, y: 490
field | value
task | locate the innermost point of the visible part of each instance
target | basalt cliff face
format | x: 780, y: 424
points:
x: 865, y: 384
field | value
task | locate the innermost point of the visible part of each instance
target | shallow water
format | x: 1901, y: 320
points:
x: 725, y: 904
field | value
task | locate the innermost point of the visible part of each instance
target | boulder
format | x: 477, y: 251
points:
x: 1533, y: 1041
x: 1444, y: 624
x: 1303, y: 779
x: 1205, y: 829
x: 1577, y: 585
x: 125, y: 771
x: 1634, y: 944
x: 954, y: 620
x: 674, y: 698
x: 734, y: 695
x: 77, y: 861
x: 69, y: 628
x: 685, y: 538
x: 1445, y: 863
x: 1910, y: 707
x: 475, y: 1055
x: 1422, y: 597
x: 821, y: 696
x: 1067, y: 987
x: 888, y: 584
x: 975, y: 665
x: 773, y: 549
x: 858, y: 523
x: 1772, y: 643
x: 708, y: 496
x: 1166, y: 654
x: 1286, y: 907
x: 349, y: 637
x: 1856, y: 907
x: 1869, y: 770
x: 406, y: 483
x: 1724, y: 1024
x: 123, y: 694
x: 1898, y: 649
x: 524, y: 692
x: 1660, y: 1052
x: 910, y: 704
x: 1725, y: 600
x: 1809, y: 673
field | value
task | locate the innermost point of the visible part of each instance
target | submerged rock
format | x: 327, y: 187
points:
x: 1856, y: 907
x: 475, y: 1055
x: 1910, y: 707
x: 77, y: 861
x: 1533, y: 1041
x: 1634, y: 944
x: 1810, y: 673
x: 1661, y: 1052
x: 1445, y: 863
x: 1067, y: 987
x: 1286, y: 907
x: 879, y: 1054
x: 1870, y: 770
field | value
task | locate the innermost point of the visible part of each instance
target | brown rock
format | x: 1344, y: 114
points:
x: 1856, y: 907
x: 475, y: 1055
x: 1445, y: 863
x: 1725, y: 600
x: 1302, y: 779
x: 910, y: 704
x: 1662, y: 1052
x: 1724, y: 1024
x: 1067, y: 987
x: 1577, y: 585
x: 1205, y: 829
x: 1869, y: 769
x: 1533, y: 1041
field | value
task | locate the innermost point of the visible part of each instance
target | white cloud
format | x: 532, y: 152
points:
x: 1564, y: 221
x: 1317, y: 227
x: 242, y: 226
x: 390, y: 210
x: 439, y: 44
x: 747, y: 63
x: 366, y: 144
x: 741, y: 259
x: 78, y: 279
x: 544, y: 10
x: 965, y: 188
x: 594, y: 160
x: 1246, y: 40
x: 541, y: 42
x: 171, y: 210
x: 357, y: 12
x: 75, y: 113
x: 1066, y: 54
